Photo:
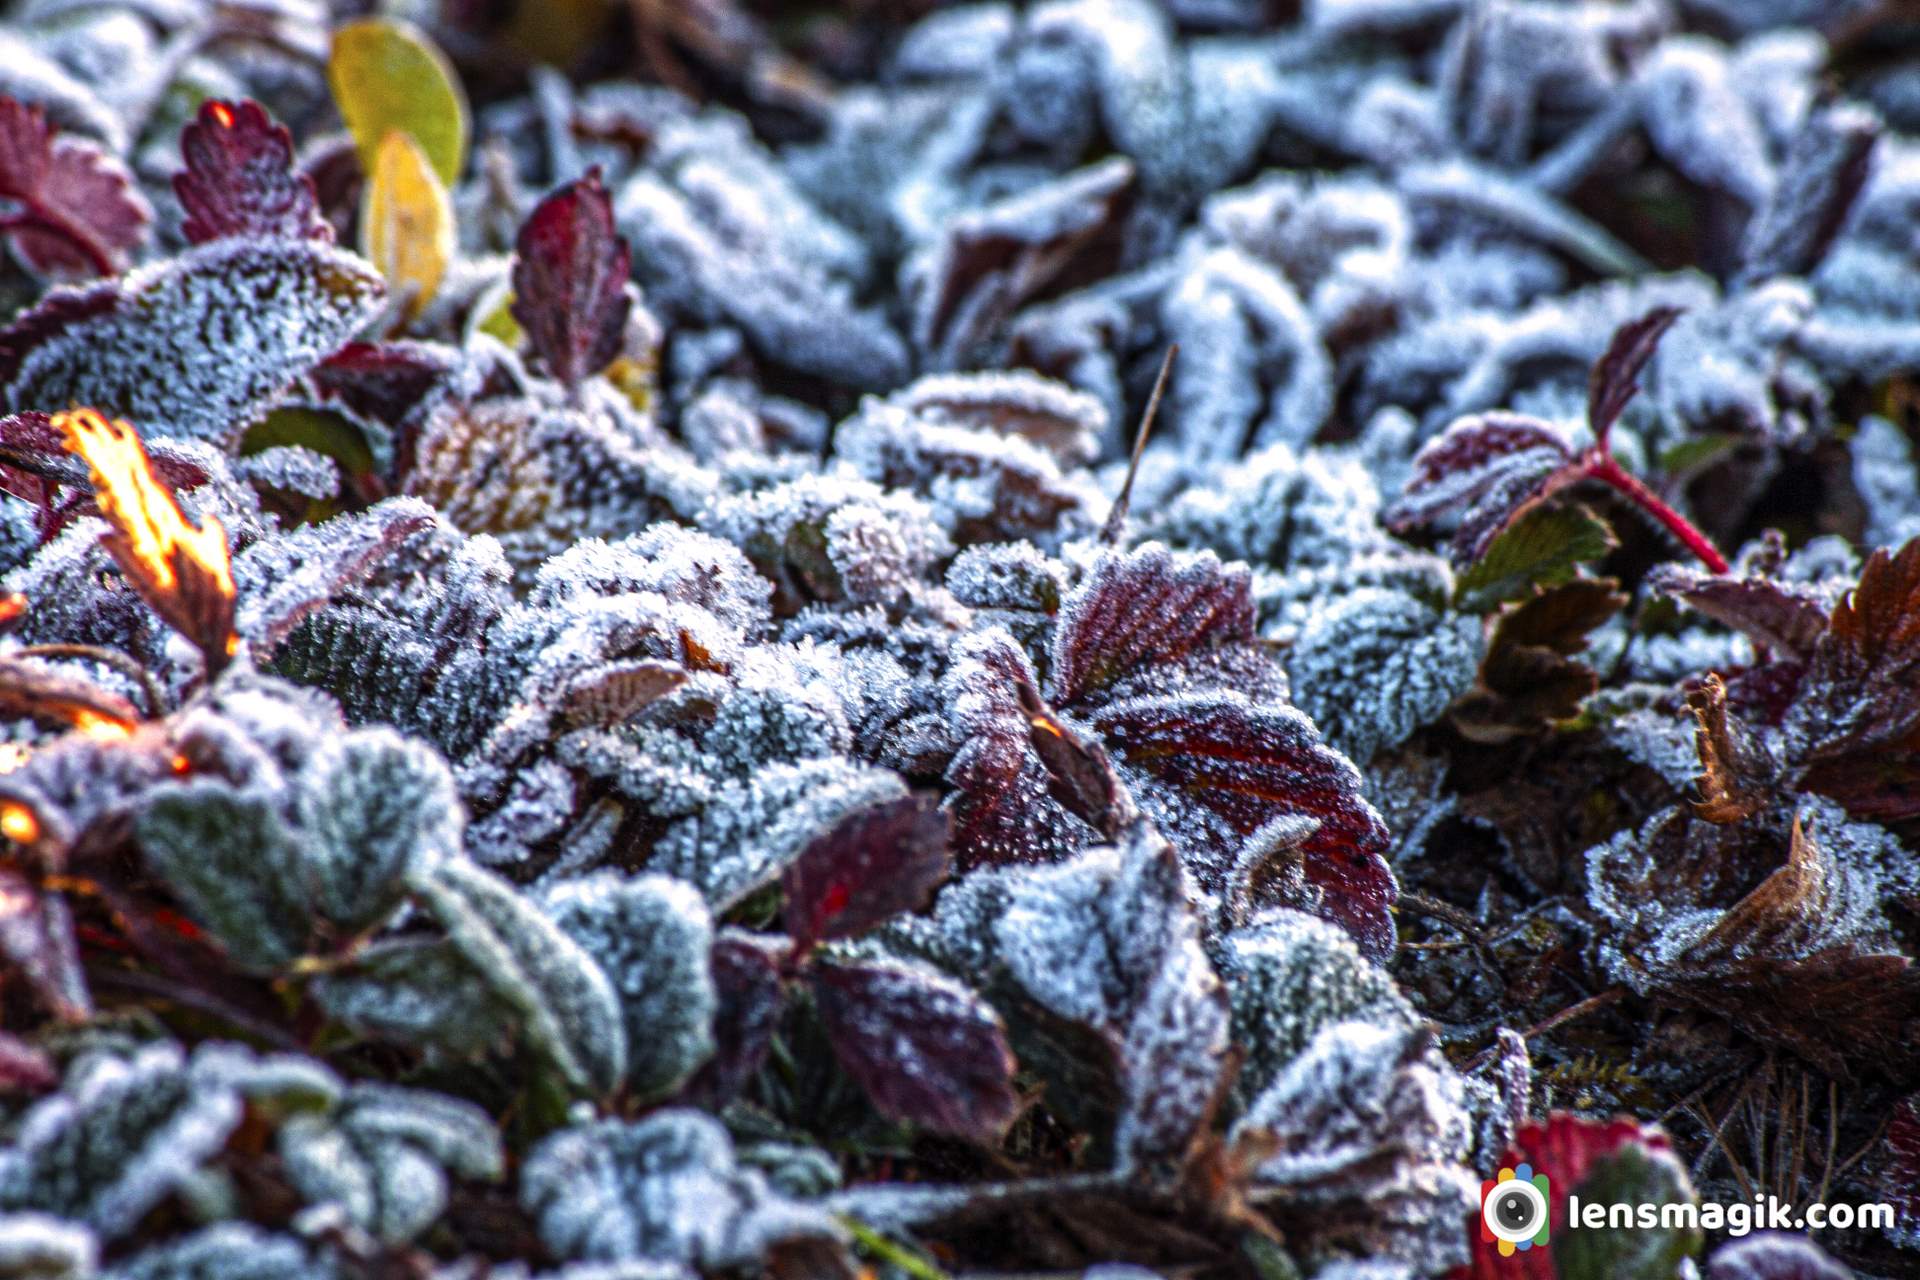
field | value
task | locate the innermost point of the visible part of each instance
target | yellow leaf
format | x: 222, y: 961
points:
x: 406, y: 221
x: 181, y: 570
x: 387, y: 75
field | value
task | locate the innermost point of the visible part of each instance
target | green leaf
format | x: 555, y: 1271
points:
x: 562, y: 996
x: 387, y: 77
x: 321, y: 430
x: 1634, y: 1175
x: 231, y: 860
x: 1540, y: 549
x: 418, y: 992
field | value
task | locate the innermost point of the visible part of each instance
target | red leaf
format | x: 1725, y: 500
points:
x: 80, y: 211
x: 1862, y: 686
x: 877, y: 862
x: 386, y: 381
x: 746, y: 976
x: 240, y: 179
x: 1567, y: 1149
x: 36, y: 938
x: 925, y: 1049
x: 570, y: 281
x: 1771, y: 613
x: 1003, y: 805
x: 1250, y: 764
x: 1615, y: 378
x: 1482, y: 470
x: 1146, y: 609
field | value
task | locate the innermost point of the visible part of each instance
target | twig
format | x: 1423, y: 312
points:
x: 1612, y: 995
x: 1117, y: 517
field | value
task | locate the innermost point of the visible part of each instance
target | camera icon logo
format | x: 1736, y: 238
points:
x: 1513, y: 1210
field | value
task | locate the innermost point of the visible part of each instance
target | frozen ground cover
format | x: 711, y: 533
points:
x: 1140, y: 637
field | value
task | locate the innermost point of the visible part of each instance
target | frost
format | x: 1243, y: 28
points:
x: 663, y: 1189
x: 1369, y: 1126
x: 384, y: 1155
x: 1376, y: 665
x: 227, y: 1251
x: 1290, y: 976
x: 1146, y: 988
x: 36, y: 1246
x: 195, y: 347
x: 651, y: 936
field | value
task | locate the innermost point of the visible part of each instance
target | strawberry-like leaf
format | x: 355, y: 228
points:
x: 570, y: 281
x: 79, y: 211
x: 239, y: 178
x: 875, y: 863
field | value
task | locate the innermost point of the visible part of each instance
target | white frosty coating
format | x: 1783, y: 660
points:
x: 1066, y: 422
x: 200, y: 344
x: 1111, y: 940
x: 651, y: 935
x: 1277, y: 508
x: 384, y: 1155
x: 1661, y: 937
x: 1371, y: 1115
x: 663, y: 1189
x: 1241, y: 327
x: 1888, y: 482
x: 718, y: 231
x: 376, y: 811
x: 1697, y: 118
x: 293, y: 468
x: 227, y: 1251
x: 40, y: 1246
x: 562, y: 997
x: 1289, y: 976
x: 1375, y: 665
x: 121, y: 1136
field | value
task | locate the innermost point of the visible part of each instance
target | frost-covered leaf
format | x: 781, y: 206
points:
x: 1375, y: 665
x: 203, y: 342
x: 283, y: 580
x: 663, y: 1189
x: 80, y: 212
x: 1289, y: 976
x: 239, y: 178
x: 376, y: 812
x: 987, y: 261
x: 652, y: 936
x: 1774, y: 1255
x: 1477, y: 476
x: 1368, y: 1117
x: 1738, y: 771
x: 119, y: 1138
x: 926, y: 1050
x: 236, y: 866
x: 1859, y: 690
x: 387, y: 78
x: 228, y: 1251
x: 384, y: 1155
x: 1245, y: 764
x: 874, y: 864
x: 570, y: 290
x: 1145, y: 609
x: 563, y: 999
x: 1111, y: 941
x: 421, y: 993
x: 1825, y: 168
x: 1801, y: 956
x: 39, y: 1246
x: 1615, y: 378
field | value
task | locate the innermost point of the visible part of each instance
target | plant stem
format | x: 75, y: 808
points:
x: 1601, y: 466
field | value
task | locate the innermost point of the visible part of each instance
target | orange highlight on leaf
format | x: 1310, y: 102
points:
x: 224, y: 114
x: 183, y: 571
x: 18, y: 823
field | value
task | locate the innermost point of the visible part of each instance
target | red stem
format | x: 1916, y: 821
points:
x: 1601, y: 466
